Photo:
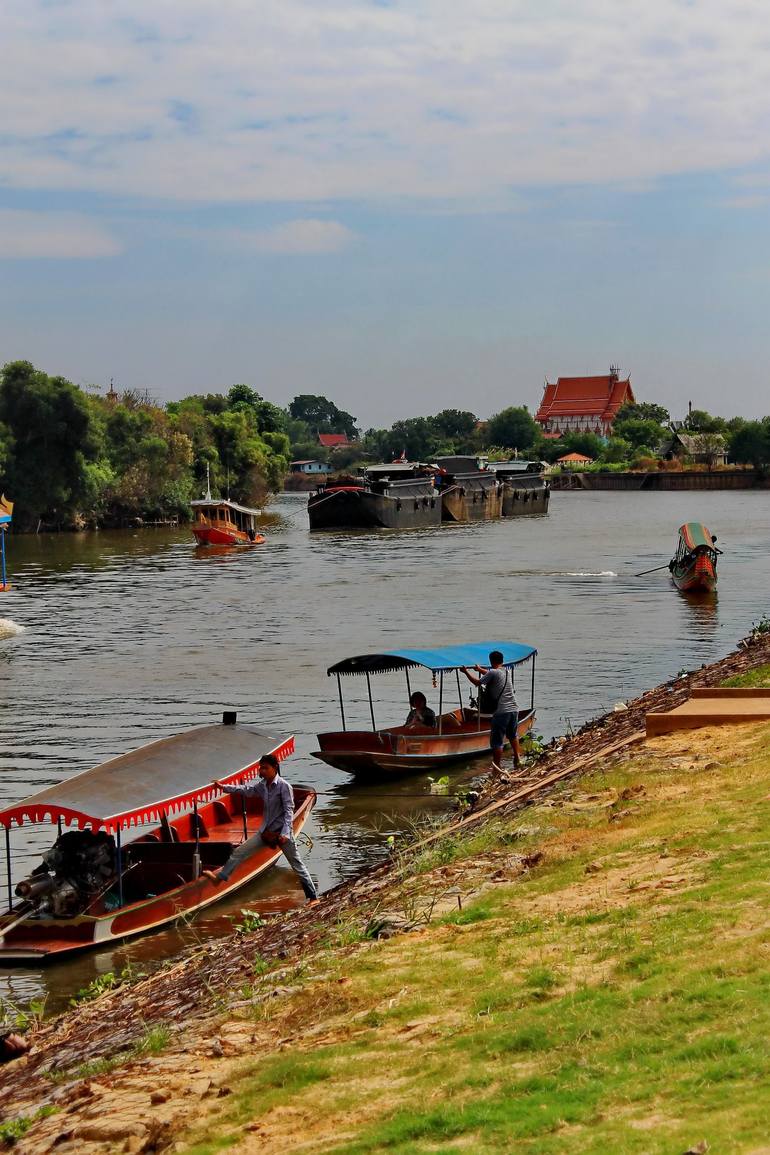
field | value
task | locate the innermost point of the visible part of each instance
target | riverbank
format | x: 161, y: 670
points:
x: 485, y: 1000
x: 663, y: 480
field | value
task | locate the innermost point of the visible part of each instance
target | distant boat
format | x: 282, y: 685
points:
x: 399, y: 495
x: 694, y: 565
x: 222, y: 522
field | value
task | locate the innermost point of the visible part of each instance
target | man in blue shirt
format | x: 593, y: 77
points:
x: 276, y: 829
x: 498, y: 683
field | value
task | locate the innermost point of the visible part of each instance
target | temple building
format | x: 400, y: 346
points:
x: 583, y: 404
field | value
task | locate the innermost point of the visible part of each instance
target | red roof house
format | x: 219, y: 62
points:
x: 333, y: 440
x: 583, y: 404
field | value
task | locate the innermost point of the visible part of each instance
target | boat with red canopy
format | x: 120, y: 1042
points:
x: 459, y: 734
x: 93, y: 887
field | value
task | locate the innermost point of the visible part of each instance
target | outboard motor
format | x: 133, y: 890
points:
x: 79, y: 865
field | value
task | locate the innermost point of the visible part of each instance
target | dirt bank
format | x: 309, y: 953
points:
x: 135, y: 1068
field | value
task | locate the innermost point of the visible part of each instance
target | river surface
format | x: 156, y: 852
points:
x: 134, y: 635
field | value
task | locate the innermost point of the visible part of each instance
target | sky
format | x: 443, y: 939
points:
x: 402, y: 206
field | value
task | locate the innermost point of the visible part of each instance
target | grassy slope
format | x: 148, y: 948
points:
x: 614, y: 998
x: 753, y: 680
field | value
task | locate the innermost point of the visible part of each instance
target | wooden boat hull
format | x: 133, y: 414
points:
x: 216, y: 535
x: 382, y: 753
x: 40, y: 940
x: 522, y: 498
x: 473, y: 497
x: 695, y: 575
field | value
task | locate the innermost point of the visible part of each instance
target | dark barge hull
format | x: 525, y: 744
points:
x: 363, y: 509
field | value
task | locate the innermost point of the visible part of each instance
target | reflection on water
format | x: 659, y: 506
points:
x: 135, y: 635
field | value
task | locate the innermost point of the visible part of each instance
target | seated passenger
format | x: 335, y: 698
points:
x: 420, y: 713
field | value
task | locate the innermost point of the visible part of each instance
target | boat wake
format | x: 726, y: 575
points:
x: 585, y: 573
x: 9, y: 629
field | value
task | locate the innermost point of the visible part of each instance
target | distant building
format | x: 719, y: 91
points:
x: 583, y: 404
x: 307, y: 467
x: 701, y: 448
x: 574, y: 460
x: 333, y: 440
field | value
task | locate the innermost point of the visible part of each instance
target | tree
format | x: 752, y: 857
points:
x: 53, y: 440
x: 514, y: 428
x: 699, y: 421
x: 640, y: 431
x: 616, y: 451
x: 454, y: 424
x: 586, y: 443
x: 642, y: 411
x: 416, y: 437
x: 751, y: 444
x: 322, y: 415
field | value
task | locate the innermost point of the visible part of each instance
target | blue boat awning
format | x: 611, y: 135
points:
x: 437, y: 661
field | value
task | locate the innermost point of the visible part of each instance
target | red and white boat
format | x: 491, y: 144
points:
x: 219, y: 521
x: 93, y: 887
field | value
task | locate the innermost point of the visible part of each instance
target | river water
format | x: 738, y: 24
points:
x: 134, y: 635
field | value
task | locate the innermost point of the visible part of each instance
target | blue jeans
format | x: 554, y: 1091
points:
x: 289, y: 851
x: 503, y: 726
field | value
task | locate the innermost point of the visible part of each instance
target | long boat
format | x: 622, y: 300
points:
x: 459, y: 734
x: 93, y: 887
x: 219, y: 521
x: 694, y: 565
x: 401, y: 495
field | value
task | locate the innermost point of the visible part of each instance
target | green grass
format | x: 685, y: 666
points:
x: 753, y: 680
x: 568, y: 1013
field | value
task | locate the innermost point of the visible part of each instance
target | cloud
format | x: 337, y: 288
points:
x: 54, y: 236
x: 289, y: 100
x: 296, y: 237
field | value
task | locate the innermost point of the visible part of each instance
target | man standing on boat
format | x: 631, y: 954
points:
x: 276, y: 829
x: 498, y: 683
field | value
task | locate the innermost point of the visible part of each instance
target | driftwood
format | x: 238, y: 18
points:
x: 198, y: 985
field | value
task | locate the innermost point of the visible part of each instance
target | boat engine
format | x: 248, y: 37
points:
x: 79, y: 865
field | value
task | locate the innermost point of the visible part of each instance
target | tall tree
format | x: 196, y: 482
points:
x: 513, y: 428
x: 53, y: 441
x: 322, y: 415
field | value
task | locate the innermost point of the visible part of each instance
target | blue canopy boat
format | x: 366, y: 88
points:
x: 459, y: 734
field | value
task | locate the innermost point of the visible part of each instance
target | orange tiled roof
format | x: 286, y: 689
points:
x: 332, y: 440
x: 584, y: 397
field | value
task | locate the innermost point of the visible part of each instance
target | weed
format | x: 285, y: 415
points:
x: 153, y: 1041
x: 106, y: 982
x: 251, y: 920
x: 15, y: 1129
x: 22, y: 1018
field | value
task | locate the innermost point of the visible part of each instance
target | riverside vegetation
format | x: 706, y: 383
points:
x: 585, y: 974
x: 72, y: 457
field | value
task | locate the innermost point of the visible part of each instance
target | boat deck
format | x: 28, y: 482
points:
x: 712, y: 707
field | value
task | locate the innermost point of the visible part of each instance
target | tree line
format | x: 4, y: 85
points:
x: 72, y: 457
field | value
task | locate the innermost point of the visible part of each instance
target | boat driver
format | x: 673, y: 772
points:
x: 498, y: 684
x: 276, y: 829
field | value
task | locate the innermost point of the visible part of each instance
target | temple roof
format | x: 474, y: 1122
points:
x: 599, y: 397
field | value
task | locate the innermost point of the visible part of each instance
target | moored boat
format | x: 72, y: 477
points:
x: 459, y: 734
x: 401, y: 495
x: 694, y: 565
x: 219, y: 521
x: 525, y: 491
x: 469, y: 492
x: 92, y: 888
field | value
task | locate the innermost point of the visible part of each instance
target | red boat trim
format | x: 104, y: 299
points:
x: 153, y: 812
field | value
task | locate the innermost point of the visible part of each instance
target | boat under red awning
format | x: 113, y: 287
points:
x: 158, y: 778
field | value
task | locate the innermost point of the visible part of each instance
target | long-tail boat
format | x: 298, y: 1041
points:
x: 92, y: 887
x: 399, y: 749
x: 694, y: 565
